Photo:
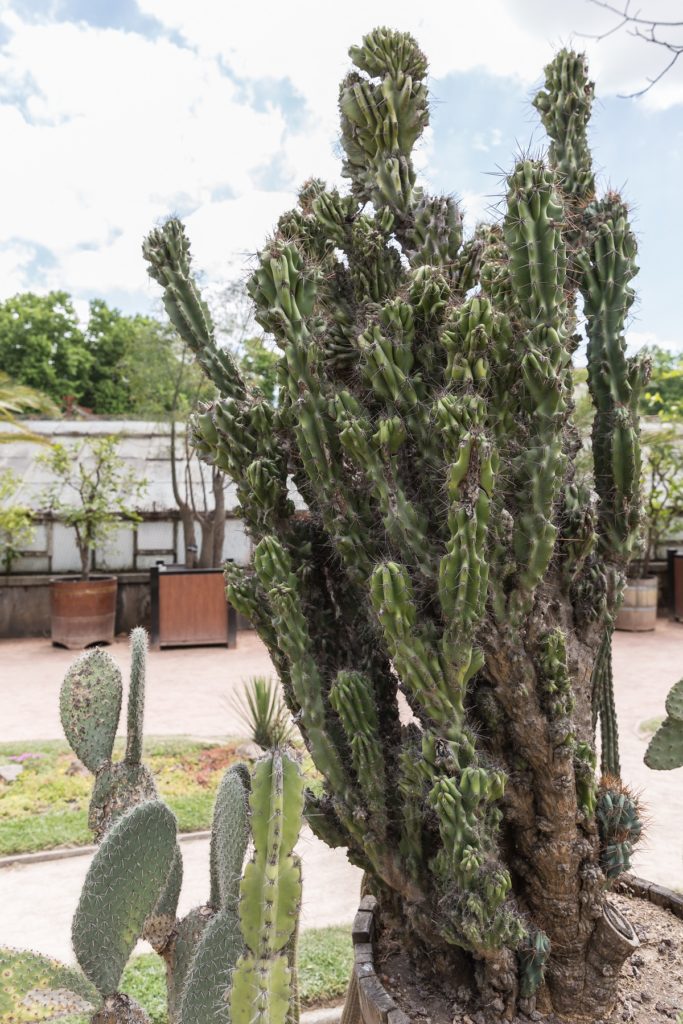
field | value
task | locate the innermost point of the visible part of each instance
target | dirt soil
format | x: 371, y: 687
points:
x: 651, y: 990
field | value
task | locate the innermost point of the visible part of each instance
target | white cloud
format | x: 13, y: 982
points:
x: 15, y: 259
x: 115, y: 131
x: 509, y: 38
x: 121, y: 131
x: 635, y: 340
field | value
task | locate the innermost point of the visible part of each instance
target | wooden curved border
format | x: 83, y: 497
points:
x: 368, y: 1002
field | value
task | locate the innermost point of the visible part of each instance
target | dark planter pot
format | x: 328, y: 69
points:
x: 368, y: 1002
x: 638, y: 612
x: 83, y: 612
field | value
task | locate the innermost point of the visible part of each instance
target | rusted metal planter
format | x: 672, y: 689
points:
x: 368, y: 1002
x: 83, y: 612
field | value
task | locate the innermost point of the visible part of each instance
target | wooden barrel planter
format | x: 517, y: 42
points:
x: 638, y: 612
x: 368, y: 1002
x: 83, y: 612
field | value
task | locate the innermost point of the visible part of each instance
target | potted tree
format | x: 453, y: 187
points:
x: 93, y: 492
x: 16, y: 521
x: 662, y: 481
x: 449, y: 559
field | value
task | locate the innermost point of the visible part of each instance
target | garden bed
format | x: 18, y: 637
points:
x: 325, y: 959
x: 46, y: 807
x: 650, y: 992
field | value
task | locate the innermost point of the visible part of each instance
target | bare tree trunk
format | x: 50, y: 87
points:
x: 187, y: 517
x: 207, y: 527
x: 218, y: 516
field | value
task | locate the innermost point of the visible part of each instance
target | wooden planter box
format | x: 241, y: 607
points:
x: 190, y: 609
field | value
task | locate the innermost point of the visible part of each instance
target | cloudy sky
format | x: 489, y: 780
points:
x: 116, y: 113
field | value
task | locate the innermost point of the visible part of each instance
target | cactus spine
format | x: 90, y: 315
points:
x: 446, y: 550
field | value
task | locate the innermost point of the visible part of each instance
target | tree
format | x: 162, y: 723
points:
x: 258, y: 363
x: 15, y: 400
x: 136, y: 360
x: 42, y: 345
x: 655, y: 31
x: 16, y: 521
x: 93, y: 492
x: 662, y: 490
x: 447, y: 551
x: 663, y: 395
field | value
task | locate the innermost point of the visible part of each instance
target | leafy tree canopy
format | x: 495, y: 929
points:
x: 43, y: 346
x: 117, y: 365
x: 663, y: 395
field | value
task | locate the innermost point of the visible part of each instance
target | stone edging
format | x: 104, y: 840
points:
x: 42, y: 856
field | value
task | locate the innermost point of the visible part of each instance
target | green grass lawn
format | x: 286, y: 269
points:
x: 47, y: 806
x: 325, y: 958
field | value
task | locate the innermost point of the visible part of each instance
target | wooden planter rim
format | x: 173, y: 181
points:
x: 368, y: 1001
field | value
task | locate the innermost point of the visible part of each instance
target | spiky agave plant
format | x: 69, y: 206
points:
x: 262, y: 711
x: 447, y: 551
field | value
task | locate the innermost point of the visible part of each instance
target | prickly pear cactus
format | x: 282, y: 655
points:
x: 34, y: 988
x: 90, y: 706
x: 121, y: 889
x: 133, y: 884
x: 665, y: 750
x: 447, y: 554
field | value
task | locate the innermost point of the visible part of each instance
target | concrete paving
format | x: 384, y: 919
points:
x: 38, y: 900
x: 189, y: 691
x: 646, y: 665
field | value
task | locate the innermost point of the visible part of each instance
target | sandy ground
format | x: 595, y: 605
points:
x: 190, y: 691
x: 38, y: 900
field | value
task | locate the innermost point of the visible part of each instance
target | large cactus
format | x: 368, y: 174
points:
x: 447, y: 552
x: 132, y: 888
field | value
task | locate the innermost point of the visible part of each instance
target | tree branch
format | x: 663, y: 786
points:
x: 640, y: 28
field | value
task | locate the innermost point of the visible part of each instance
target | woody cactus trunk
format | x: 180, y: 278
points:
x: 440, y: 612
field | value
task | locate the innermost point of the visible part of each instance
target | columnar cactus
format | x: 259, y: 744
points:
x: 446, y: 552
x: 132, y: 887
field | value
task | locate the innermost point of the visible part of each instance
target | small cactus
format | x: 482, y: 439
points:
x: 620, y: 825
x: 90, y: 705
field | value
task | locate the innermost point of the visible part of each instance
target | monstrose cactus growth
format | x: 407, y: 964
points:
x: 233, y: 958
x: 447, y: 553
